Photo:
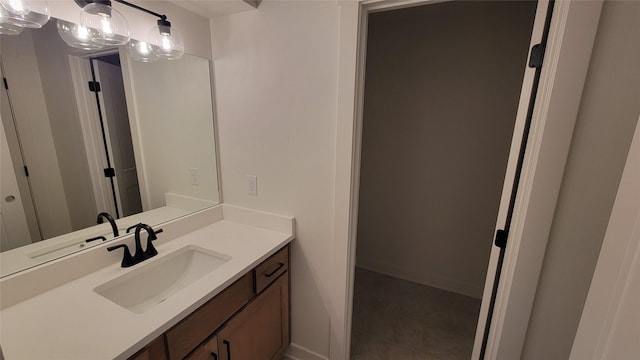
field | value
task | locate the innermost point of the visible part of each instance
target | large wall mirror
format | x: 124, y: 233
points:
x: 86, y: 133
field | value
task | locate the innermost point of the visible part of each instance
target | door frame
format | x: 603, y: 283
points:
x: 92, y: 134
x: 568, y: 51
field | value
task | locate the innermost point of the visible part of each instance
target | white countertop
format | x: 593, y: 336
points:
x: 71, y: 321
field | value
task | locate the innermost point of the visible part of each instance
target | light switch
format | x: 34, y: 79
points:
x: 252, y: 184
x: 193, y: 175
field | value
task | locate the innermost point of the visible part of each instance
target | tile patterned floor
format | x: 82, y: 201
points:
x: 399, y: 319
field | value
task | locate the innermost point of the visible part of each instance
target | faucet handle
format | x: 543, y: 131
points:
x: 96, y: 238
x: 151, y: 250
x: 132, y: 227
x: 127, y: 259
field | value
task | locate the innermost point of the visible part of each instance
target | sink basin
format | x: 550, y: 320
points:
x: 151, y: 284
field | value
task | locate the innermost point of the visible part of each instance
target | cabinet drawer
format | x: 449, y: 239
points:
x: 198, y: 326
x: 271, y: 269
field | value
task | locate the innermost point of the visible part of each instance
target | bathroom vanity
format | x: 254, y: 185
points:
x: 218, y: 289
x: 249, y: 319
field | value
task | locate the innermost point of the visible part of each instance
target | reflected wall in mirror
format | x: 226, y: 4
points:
x: 141, y: 148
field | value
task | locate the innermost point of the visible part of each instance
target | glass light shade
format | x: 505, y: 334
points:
x: 167, y: 45
x: 111, y: 27
x: 8, y: 29
x: 25, y: 13
x: 142, y: 51
x: 77, y: 36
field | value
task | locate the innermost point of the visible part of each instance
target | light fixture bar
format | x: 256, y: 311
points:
x: 162, y: 17
x: 83, y: 3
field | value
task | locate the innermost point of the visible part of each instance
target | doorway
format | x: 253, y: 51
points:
x: 105, y: 125
x: 442, y: 92
x: 121, y: 171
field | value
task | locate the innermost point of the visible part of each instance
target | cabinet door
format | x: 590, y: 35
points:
x: 261, y: 330
x: 206, y: 351
x: 197, y: 327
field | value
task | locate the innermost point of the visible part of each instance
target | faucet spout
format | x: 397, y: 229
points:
x: 114, y: 227
x: 150, y: 249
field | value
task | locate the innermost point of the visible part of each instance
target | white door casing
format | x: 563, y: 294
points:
x: 567, y: 56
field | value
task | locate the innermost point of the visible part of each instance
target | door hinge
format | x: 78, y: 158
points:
x: 537, y: 56
x: 109, y: 172
x: 94, y: 86
x: 26, y: 171
x: 501, y: 238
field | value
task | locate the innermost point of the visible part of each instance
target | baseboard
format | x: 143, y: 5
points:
x: 435, y: 281
x: 297, y: 352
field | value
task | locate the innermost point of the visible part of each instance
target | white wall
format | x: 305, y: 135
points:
x: 608, y: 113
x: 438, y: 120
x: 276, y: 95
x: 610, y: 322
x: 170, y: 110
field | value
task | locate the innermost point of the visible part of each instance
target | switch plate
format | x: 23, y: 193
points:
x: 193, y: 175
x: 252, y: 185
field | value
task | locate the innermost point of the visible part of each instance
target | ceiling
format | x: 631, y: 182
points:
x: 213, y: 8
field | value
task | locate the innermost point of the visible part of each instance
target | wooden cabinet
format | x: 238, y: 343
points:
x: 248, y: 320
x: 261, y: 330
x: 195, y: 328
x: 156, y: 350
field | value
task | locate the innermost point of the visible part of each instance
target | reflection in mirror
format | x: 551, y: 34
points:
x: 85, y: 133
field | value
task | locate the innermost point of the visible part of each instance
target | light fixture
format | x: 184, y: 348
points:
x: 5, y: 27
x: 24, y: 13
x: 110, y: 26
x: 166, y: 42
x: 8, y: 29
x: 77, y: 36
x: 99, y: 26
x: 142, y: 51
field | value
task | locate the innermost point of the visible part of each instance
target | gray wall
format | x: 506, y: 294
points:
x: 53, y: 60
x: 604, y: 128
x: 442, y: 88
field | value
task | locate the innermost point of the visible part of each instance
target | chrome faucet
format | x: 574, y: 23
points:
x: 139, y: 255
x: 114, y: 227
